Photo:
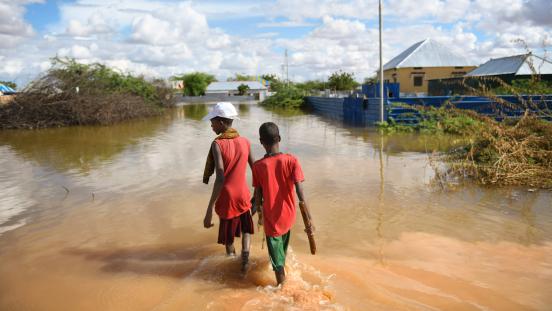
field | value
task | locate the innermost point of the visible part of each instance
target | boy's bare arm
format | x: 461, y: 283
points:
x: 258, y: 198
x: 299, y: 190
x: 250, y: 159
x: 217, y: 187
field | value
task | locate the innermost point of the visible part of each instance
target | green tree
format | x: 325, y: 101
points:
x: 195, y: 83
x: 288, y: 97
x: 242, y: 89
x: 531, y: 86
x: 240, y: 77
x: 342, y: 81
x: 11, y: 84
x: 371, y: 80
x: 309, y: 87
x: 270, y: 77
x: 275, y: 83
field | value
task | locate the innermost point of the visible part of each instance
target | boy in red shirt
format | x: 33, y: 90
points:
x: 229, y: 155
x: 274, y: 177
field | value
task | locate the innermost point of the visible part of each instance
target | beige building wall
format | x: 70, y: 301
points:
x: 415, y: 79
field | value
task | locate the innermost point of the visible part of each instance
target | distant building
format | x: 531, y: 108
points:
x: 512, y: 67
x: 423, y: 61
x: 505, y: 68
x: 177, y: 84
x: 230, y: 88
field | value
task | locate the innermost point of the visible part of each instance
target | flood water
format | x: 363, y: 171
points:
x: 110, y: 218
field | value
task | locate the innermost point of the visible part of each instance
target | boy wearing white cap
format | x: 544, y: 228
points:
x: 228, y: 158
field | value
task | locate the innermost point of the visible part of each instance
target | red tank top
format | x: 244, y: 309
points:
x: 235, y: 198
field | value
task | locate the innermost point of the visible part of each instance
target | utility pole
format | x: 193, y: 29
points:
x: 287, y: 69
x: 381, y: 60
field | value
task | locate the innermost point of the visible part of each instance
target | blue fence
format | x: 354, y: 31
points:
x: 351, y: 110
x: 390, y: 90
x: 358, y: 111
x: 327, y: 106
x: 500, y: 107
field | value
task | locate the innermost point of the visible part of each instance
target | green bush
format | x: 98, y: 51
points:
x: 195, y: 83
x: 288, y: 97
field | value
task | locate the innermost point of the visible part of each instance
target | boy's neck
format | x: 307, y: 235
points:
x: 224, y: 129
x: 272, y: 150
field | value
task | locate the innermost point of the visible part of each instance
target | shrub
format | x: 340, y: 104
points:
x: 71, y: 93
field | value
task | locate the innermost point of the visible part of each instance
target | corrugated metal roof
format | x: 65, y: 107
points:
x: 517, y: 65
x: 427, y: 53
x: 233, y: 85
x: 6, y: 89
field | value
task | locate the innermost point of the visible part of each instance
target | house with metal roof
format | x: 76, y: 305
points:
x: 424, y: 61
x: 230, y: 88
x: 517, y: 66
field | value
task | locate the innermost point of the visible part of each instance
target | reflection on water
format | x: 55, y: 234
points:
x: 82, y: 147
x: 127, y: 233
x: 195, y: 111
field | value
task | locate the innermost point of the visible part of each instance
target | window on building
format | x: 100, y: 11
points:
x: 418, y: 80
x: 418, y: 68
x: 458, y: 67
x: 458, y: 73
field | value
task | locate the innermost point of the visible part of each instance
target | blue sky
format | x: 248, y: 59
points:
x: 164, y: 37
x: 39, y: 15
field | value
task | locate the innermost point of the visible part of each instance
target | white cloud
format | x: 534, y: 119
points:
x: 11, y: 67
x: 285, y: 24
x: 150, y: 30
x: 13, y: 28
x: 95, y: 25
x: 163, y: 37
x: 339, y: 28
x: 538, y: 11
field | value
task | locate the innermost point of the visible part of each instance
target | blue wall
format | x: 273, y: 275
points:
x: 327, y: 106
x: 350, y: 110
x: 389, y: 89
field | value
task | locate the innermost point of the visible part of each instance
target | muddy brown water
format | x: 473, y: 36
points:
x: 110, y: 218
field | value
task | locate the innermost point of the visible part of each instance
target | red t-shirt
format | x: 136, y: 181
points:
x: 235, y: 198
x: 277, y: 175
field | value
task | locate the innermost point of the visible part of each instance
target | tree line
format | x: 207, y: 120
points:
x: 195, y: 83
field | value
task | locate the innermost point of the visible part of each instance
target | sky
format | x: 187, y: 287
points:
x: 162, y: 38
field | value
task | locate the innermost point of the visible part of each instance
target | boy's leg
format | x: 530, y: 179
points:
x: 246, y: 244
x: 247, y: 228
x: 226, y: 237
x: 277, y: 249
x: 230, y: 250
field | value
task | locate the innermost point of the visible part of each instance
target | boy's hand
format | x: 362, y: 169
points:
x: 208, y: 220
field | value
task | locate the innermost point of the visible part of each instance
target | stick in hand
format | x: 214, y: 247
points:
x: 309, y: 228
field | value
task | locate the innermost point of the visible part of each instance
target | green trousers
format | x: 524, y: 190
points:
x: 277, y: 249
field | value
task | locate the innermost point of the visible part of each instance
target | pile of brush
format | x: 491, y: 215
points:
x: 506, y: 154
x: 77, y: 94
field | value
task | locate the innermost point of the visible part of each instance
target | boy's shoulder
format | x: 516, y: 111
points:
x: 281, y: 157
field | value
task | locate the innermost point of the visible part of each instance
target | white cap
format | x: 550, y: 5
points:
x: 223, y: 110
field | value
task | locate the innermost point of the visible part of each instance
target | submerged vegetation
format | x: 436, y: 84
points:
x: 442, y: 120
x: 512, y: 152
x: 71, y: 93
x: 506, y: 154
x: 289, y: 97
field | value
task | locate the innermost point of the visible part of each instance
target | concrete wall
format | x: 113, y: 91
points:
x: 405, y: 76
